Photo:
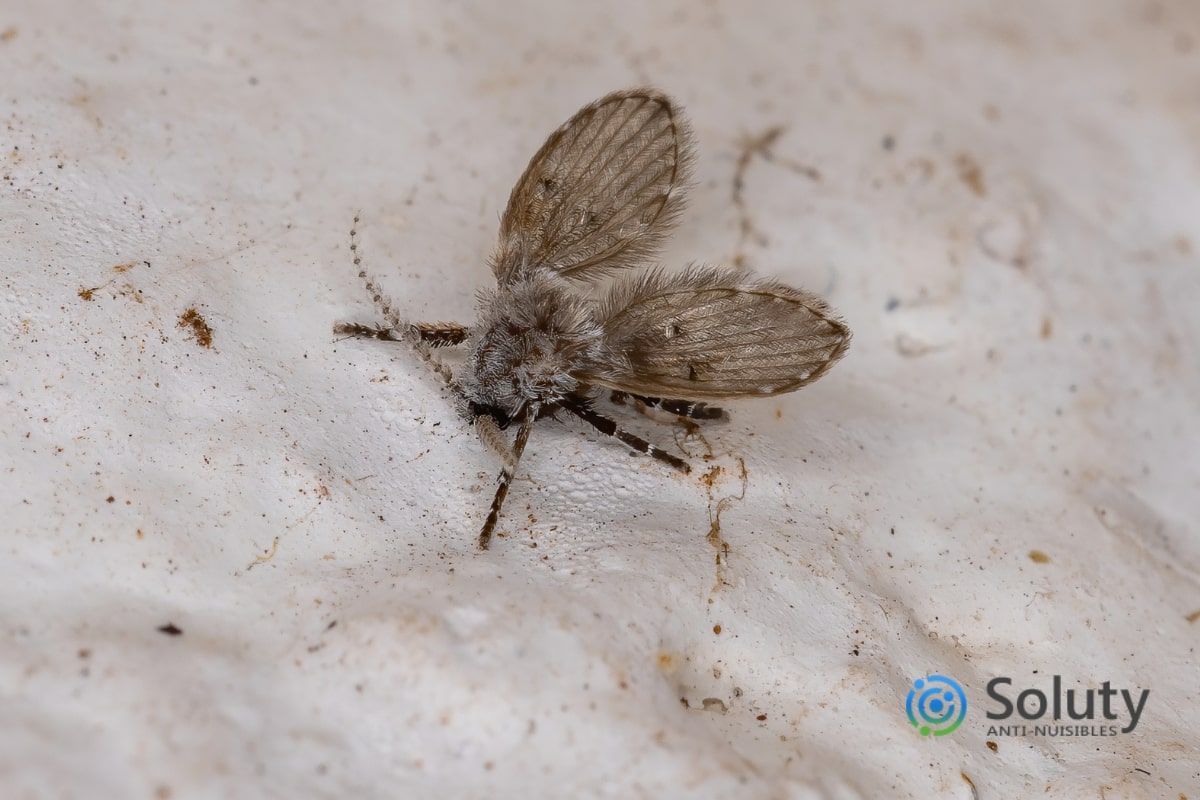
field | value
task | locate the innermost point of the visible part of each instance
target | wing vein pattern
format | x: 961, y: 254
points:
x: 709, y: 333
x: 601, y: 193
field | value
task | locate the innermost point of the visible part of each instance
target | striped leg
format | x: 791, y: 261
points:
x: 361, y: 331
x: 506, y: 475
x: 441, y: 334
x: 680, y: 408
x: 434, y: 334
x: 488, y: 431
x: 609, y: 428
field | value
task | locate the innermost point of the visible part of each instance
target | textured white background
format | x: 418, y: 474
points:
x: 1020, y: 267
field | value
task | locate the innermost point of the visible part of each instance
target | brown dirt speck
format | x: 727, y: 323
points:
x: 717, y: 629
x: 1193, y: 617
x: 995, y: 748
x: 970, y: 173
x: 709, y: 478
x: 8, y: 34
x: 1038, y: 557
x: 88, y: 294
x: 170, y: 629
x: 199, y: 329
x: 761, y: 718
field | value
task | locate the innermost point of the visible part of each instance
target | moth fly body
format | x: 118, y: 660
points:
x: 577, y: 314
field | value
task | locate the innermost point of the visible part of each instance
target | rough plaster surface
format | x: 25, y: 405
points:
x: 1000, y: 479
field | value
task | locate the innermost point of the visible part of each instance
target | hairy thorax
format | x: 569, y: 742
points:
x: 534, y: 336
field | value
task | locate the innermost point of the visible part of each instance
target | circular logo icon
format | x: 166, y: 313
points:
x: 936, y: 705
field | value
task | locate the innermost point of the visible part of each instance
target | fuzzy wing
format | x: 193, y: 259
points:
x: 712, y: 333
x: 601, y: 192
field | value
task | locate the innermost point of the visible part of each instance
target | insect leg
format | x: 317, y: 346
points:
x: 680, y: 408
x: 609, y: 428
x: 361, y: 331
x: 506, y: 475
x: 490, y: 434
x: 434, y: 334
x: 440, y: 334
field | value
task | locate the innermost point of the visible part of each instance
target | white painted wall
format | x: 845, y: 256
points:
x: 1020, y: 268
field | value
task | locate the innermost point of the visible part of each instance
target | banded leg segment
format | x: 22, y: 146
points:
x: 609, y: 428
x: 441, y: 334
x: 506, y: 475
x: 434, y: 334
x: 680, y: 408
x: 492, y: 437
x: 358, y: 330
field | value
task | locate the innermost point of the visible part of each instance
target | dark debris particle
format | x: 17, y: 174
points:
x: 892, y: 304
x: 170, y: 629
x: 110, y: 499
x: 761, y: 718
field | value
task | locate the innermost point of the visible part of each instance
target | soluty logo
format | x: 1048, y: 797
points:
x: 936, y: 705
